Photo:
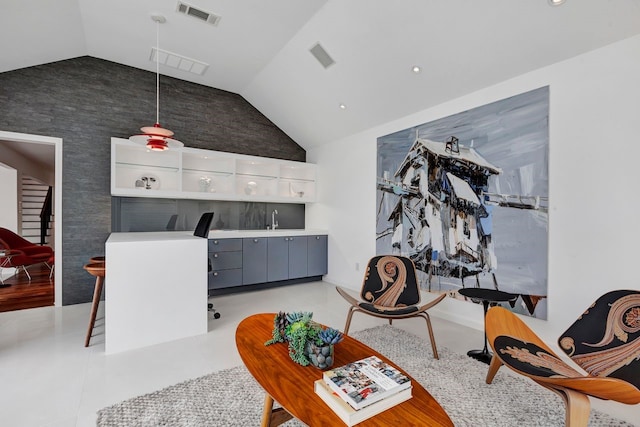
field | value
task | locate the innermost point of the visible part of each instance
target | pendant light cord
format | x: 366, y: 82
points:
x: 157, y: 72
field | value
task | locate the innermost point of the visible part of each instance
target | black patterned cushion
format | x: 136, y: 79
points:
x: 390, y: 281
x: 605, y: 340
x: 530, y: 359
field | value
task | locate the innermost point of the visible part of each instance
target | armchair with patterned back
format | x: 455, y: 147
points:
x: 604, y: 341
x: 390, y: 290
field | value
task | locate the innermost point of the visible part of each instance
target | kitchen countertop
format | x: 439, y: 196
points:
x: 128, y: 237
x: 232, y: 234
x: 150, y: 236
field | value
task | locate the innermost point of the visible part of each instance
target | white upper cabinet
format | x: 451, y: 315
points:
x: 190, y: 173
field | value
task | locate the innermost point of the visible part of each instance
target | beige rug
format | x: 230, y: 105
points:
x: 231, y: 397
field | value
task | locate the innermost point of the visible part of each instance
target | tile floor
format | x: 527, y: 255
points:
x: 44, y: 365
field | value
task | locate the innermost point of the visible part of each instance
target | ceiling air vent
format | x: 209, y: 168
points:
x: 189, y: 10
x: 322, y: 56
x: 180, y: 62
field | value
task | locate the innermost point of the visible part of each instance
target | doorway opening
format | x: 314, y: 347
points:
x: 20, y: 152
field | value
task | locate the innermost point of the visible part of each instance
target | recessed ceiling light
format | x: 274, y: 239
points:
x: 416, y: 69
x: 343, y: 107
x: 556, y: 2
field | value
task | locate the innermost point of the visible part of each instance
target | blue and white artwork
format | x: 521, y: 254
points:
x: 466, y: 198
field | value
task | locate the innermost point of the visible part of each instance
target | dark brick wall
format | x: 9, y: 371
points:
x: 85, y: 101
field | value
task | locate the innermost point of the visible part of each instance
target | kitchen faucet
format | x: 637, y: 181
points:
x: 274, y: 223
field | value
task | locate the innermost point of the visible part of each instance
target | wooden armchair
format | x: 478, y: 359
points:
x: 518, y: 347
x: 390, y: 291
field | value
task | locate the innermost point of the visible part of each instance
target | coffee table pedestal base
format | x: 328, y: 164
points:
x: 273, y: 417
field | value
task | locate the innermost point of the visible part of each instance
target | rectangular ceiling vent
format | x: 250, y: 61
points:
x: 322, y: 56
x: 200, y: 14
x: 179, y: 62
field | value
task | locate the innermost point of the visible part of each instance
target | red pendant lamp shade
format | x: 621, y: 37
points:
x: 156, y: 137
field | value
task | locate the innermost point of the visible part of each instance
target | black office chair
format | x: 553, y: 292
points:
x: 171, y: 225
x: 204, y: 225
x: 202, y: 230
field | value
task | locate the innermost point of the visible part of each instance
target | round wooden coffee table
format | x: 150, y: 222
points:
x: 291, y: 385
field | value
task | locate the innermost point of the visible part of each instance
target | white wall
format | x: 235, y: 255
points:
x: 45, y: 173
x: 8, y: 197
x: 594, y: 197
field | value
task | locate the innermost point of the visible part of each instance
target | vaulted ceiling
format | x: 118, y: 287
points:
x: 260, y: 48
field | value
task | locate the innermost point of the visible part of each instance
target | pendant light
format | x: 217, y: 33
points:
x: 156, y: 137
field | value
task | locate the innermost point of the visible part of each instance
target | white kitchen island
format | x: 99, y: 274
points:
x: 156, y: 288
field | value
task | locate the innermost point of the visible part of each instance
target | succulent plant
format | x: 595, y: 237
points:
x: 298, y: 329
x: 330, y: 336
x: 298, y: 315
x: 280, y: 324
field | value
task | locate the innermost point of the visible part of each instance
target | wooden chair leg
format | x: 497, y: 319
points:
x: 431, y: 337
x: 348, y: 324
x: 577, y: 405
x: 97, y: 292
x: 578, y: 409
x: 496, y: 363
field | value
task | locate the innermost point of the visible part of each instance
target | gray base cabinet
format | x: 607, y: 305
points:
x: 287, y: 258
x: 249, y: 261
x: 277, y: 258
x: 317, y: 255
x: 254, y: 260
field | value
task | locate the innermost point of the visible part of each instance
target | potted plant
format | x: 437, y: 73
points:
x: 309, y: 342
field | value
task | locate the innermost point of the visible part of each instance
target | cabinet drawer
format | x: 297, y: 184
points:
x: 218, y: 279
x: 225, y: 260
x: 224, y: 245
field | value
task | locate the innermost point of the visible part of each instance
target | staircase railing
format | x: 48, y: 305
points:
x: 45, y: 215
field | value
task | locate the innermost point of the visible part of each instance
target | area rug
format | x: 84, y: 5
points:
x: 232, y: 397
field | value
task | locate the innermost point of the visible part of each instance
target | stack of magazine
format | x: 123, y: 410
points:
x: 362, y: 389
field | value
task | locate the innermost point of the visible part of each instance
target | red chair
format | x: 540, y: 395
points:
x: 10, y: 240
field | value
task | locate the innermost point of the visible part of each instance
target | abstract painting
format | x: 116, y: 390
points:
x: 466, y: 198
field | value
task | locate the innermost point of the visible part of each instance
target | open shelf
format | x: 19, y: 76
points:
x: 192, y: 173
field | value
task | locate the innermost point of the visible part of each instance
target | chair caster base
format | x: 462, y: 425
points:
x: 216, y: 315
x: 481, y: 355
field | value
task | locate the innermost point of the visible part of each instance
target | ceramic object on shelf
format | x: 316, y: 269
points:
x: 294, y: 191
x: 251, y: 188
x: 204, y: 183
x: 148, y: 182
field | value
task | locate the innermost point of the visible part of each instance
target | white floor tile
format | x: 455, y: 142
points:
x: 43, y: 358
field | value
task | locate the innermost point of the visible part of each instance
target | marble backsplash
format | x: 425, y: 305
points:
x: 147, y: 214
